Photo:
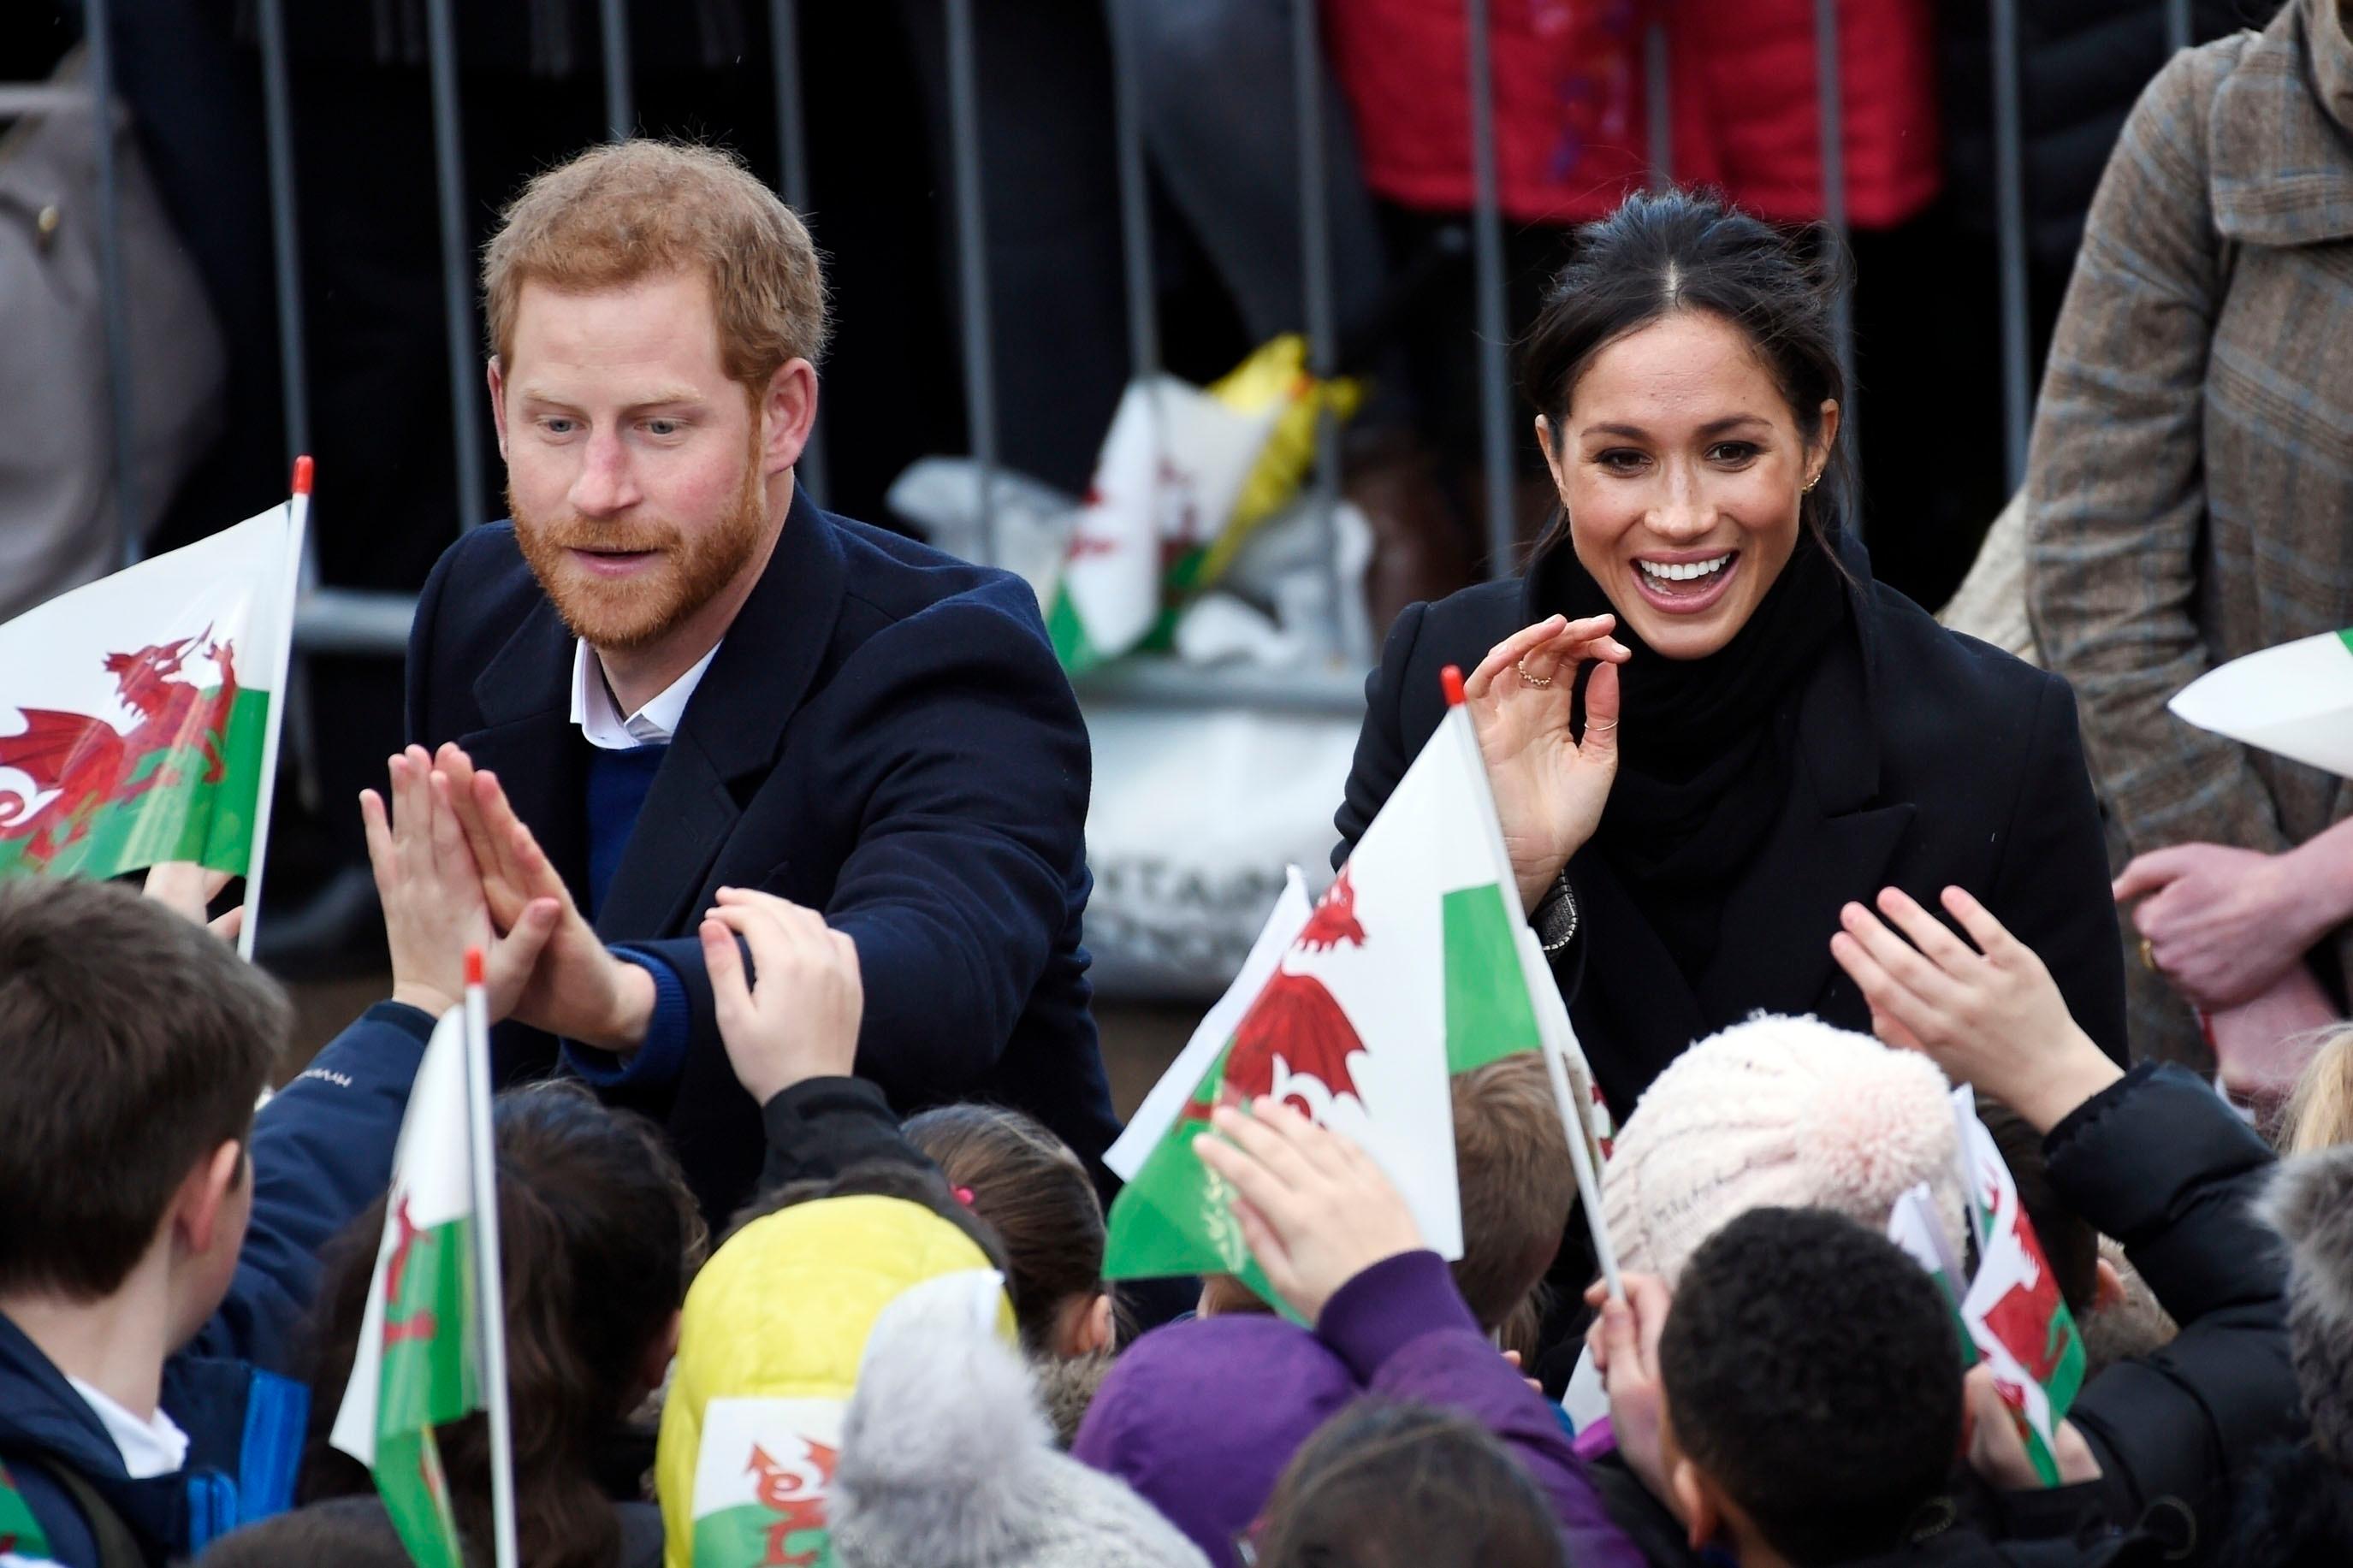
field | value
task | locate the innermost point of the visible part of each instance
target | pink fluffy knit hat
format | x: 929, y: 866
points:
x: 1777, y: 1111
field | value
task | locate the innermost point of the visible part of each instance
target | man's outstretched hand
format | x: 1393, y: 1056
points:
x: 798, y: 1019
x: 577, y: 991
x: 432, y: 896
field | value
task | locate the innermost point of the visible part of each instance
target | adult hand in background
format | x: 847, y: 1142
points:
x: 2225, y: 924
x: 1314, y: 1208
x: 187, y: 889
x: 579, y: 990
x: 1549, y: 787
x: 1990, y: 1015
x: 432, y: 895
x: 799, y: 1020
x: 2261, y: 1046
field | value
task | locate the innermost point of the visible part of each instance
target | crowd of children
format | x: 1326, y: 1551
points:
x: 183, y: 1283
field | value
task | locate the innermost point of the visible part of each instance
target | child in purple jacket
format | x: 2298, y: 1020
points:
x: 1201, y: 1417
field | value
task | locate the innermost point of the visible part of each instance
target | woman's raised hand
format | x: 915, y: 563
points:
x: 1549, y: 787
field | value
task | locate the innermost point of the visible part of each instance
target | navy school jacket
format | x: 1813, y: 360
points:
x: 884, y: 735
x: 321, y: 1152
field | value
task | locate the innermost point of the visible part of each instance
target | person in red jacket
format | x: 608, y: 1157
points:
x: 1571, y: 117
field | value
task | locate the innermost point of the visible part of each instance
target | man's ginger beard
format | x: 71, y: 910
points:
x: 636, y: 612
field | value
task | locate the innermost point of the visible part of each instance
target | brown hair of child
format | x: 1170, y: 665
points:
x: 1037, y: 1198
x: 1386, y: 1484
x: 1518, y: 1183
x: 136, y: 1043
x: 598, y: 1238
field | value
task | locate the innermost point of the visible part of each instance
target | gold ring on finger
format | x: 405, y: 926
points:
x: 1538, y: 681
x: 2147, y: 956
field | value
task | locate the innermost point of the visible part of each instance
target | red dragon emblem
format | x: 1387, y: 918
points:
x: 795, y: 1492
x: 2031, y: 1320
x: 415, y: 1325
x: 1296, y: 1019
x: 91, y: 764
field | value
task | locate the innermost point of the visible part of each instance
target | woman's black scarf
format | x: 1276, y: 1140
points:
x: 1705, y: 744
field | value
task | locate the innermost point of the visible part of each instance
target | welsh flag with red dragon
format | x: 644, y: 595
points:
x: 1409, y: 968
x: 135, y: 712
x: 419, y: 1360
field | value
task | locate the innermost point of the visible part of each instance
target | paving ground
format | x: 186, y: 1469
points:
x: 1138, y: 1041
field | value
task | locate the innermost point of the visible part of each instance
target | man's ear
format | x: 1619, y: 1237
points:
x: 2108, y: 1287
x: 499, y: 404
x: 788, y: 412
x: 205, y: 1192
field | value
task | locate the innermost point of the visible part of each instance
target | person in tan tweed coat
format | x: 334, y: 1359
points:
x: 2189, y: 499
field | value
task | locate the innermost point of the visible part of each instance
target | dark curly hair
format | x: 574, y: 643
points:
x: 1812, y: 1369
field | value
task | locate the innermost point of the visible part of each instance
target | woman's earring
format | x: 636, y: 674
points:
x: 1807, y: 488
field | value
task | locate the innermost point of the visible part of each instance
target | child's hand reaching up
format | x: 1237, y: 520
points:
x: 800, y: 1020
x: 1624, y: 1343
x: 1314, y: 1208
x: 1991, y: 1017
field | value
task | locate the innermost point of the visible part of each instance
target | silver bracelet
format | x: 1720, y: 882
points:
x: 1556, y: 917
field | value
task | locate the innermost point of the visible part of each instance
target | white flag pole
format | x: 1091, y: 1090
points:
x: 273, y: 724
x: 1589, y: 1182
x: 491, y: 1298
x: 1556, y: 1033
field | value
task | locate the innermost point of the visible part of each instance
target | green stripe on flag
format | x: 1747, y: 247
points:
x: 1072, y: 647
x: 417, y: 1494
x: 428, y: 1375
x: 1177, y: 1216
x: 176, y: 815
x: 751, y: 1535
x: 1488, y: 1015
x: 2346, y: 636
x: 20, y: 1532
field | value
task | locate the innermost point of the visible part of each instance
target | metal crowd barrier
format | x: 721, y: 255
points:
x: 343, y: 621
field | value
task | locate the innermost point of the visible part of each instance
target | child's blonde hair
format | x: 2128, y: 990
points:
x: 2319, y: 1114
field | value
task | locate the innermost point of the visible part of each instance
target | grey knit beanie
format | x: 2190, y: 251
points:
x: 2310, y: 1202
x: 946, y: 1460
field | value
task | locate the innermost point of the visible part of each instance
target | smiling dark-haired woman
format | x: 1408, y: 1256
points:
x: 1708, y: 729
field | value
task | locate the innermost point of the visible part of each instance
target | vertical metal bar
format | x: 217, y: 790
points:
x: 972, y: 265
x: 621, y: 113
x: 97, y: 19
x: 2009, y: 232
x: 1658, y: 100
x: 2177, y: 26
x: 278, y: 123
x: 293, y: 363
x: 1134, y: 198
x: 1832, y: 116
x: 1315, y: 281
x: 791, y: 162
x: 1487, y: 239
x: 457, y: 274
